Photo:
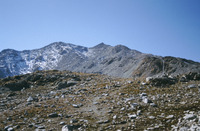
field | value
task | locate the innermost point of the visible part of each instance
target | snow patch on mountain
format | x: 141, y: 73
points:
x: 14, y: 63
x: 119, y: 61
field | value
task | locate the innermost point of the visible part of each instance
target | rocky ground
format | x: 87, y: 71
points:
x: 66, y: 101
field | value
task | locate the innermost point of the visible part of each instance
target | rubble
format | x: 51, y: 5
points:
x: 94, y: 102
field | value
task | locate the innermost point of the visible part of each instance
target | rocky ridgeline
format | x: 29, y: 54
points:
x: 165, y: 80
x: 66, y: 101
x: 117, y: 61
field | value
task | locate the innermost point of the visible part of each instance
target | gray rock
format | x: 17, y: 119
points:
x: 192, y: 86
x: 10, y: 129
x: 134, y: 105
x: 170, y: 117
x: 146, y: 100
x: 41, y: 127
x: 70, y: 127
x: 11, y: 94
x: 189, y: 117
x: 73, y: 121
x: 62, y: 123
x: 53, y: 115
x: 30, y: 99
x: 153, y: 105
x: 71, y: 83
x: 132, y: 116
x: 61, y: 85
x: 6, y: 127
x: 67, y: 128
x: 102, y: 121
x: 183, y: 129
x: 77, y: 105
x: 148, y: 79
x: 139, y: 112
x: 143, y: 94
x: 183, y: 79
x: 162, y: 81
x: 151, y: 117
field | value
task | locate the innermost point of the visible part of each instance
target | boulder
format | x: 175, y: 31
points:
x: 65, y: 84
x: 17, y: 85
x: 162, y: 81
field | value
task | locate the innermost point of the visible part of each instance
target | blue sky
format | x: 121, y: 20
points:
x: 160, y: 27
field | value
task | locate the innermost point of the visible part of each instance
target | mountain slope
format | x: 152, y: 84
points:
x: 152, y: 65
x: 118, y: 61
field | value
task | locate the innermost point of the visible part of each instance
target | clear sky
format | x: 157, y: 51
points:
x: 160, y: 27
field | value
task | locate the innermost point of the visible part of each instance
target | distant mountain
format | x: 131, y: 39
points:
x: 118, y: 61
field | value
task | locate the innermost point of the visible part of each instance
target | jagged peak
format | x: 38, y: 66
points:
x: 58, y: 44
x: 101, y: 45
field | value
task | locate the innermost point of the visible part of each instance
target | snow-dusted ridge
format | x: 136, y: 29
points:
x: 119, y: 61
x: 15, y: 62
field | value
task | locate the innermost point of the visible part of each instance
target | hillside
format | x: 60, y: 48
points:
x: 66, y: 101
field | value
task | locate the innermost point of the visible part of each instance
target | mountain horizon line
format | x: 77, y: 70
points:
x: 118, y: 61
x: 94, y: 46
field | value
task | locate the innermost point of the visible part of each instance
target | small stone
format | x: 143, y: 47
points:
x: 132, y: 116
x: 56, y: 97
x: 189, y: 117
x: 71, y: 83
x: 77, y: 105
x: 41, y: 127
x: 11, y: 94
x: 134, y: 105
x: 68, y: 116
x: 95, y: 103
x: 115, y: 116
x: 192, y: 86
x: 146, y: 100
x: 151, y: 117
x: 10, y: 129
x: 7, y: 127
x: 30, y: 99
x: 143, y: 94
x: 53, y: 115
x: 183, y: 129
x: 139, y: 112
x: 153, y: 105
x: 122, y: 109
x: 102, y: 121
x: 73, y: 121
x: 148, y: 79
x: 170, y: 117
x: 67, y: 128
x: 150, y: 128
x: 62, y: 123
x: 9, y: 119
x: 30, y: 125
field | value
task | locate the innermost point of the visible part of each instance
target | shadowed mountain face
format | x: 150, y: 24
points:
x: 118, y: 61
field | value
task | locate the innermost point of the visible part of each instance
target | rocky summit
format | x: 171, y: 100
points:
x: 118, y: 61
x: 68, y: 101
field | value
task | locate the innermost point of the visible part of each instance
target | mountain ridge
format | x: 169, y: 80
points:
x: 118, y: 61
